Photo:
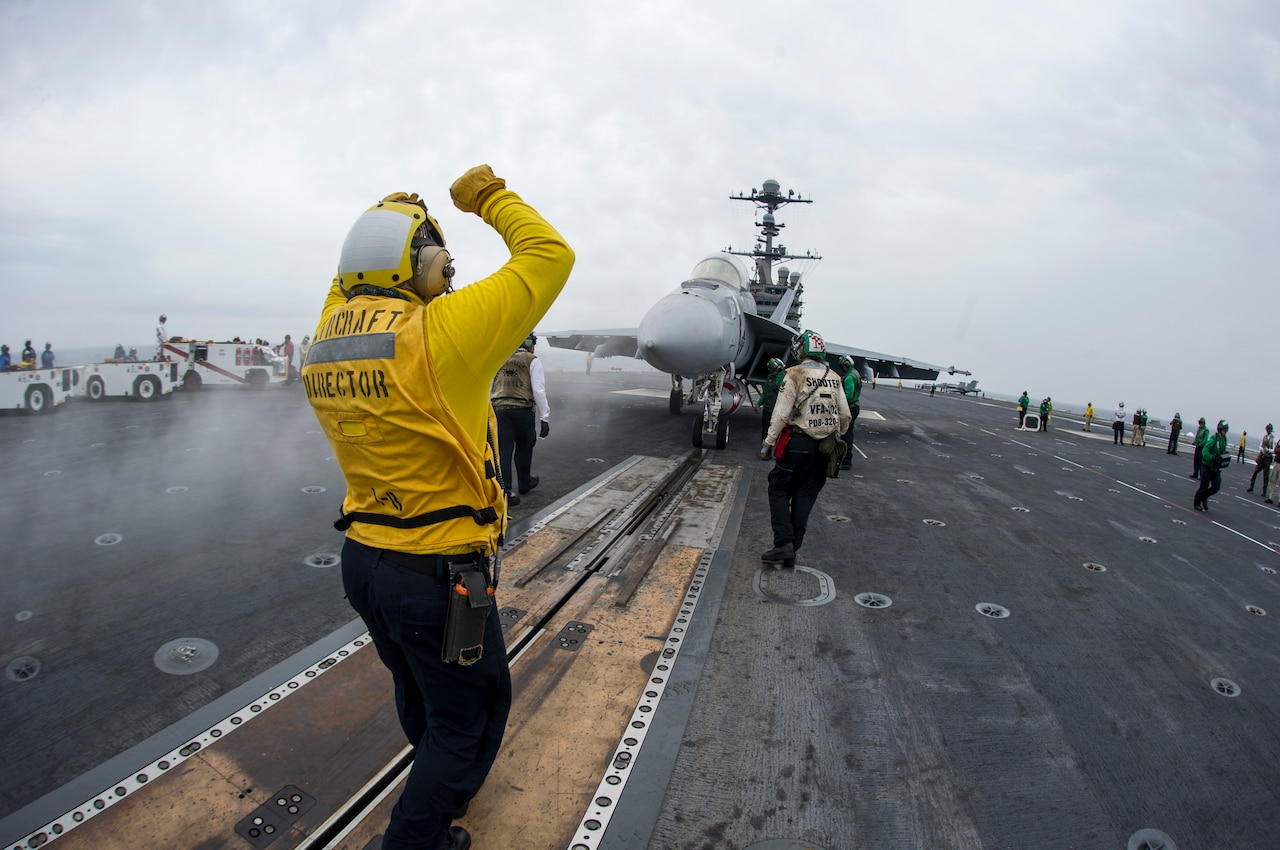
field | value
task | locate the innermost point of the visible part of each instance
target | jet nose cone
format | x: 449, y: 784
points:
x: 684, y: 335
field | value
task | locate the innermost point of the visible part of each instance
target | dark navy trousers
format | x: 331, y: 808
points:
x: 454, y: 715
x: 1210, y: 483
x: 517, y: 435
x: 854, y: 410
x: 794, y: 484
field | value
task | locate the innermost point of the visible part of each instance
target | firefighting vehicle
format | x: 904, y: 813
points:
x: 36, y: 390
x: 145, y: 380
x: 203, y: 363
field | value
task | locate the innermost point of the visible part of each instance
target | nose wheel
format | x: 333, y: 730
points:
x: 720, y: 433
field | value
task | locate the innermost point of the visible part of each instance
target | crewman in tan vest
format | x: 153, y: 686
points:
x: 811, y: 407
x: 519, y: 397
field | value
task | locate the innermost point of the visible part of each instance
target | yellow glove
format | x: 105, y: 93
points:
x: 472, y: 189
x: 401, y: 196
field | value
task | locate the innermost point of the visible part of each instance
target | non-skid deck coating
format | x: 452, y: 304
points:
x: 1088, y: 714
x: 1085, y: 716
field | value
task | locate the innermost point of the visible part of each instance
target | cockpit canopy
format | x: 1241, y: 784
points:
x: 722, y: 267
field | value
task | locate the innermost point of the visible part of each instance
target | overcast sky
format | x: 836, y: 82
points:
x: 1074, y: 198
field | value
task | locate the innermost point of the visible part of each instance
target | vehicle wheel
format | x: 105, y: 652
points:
x: 146, y: 388
x: 39, y: 399
x: 697, y: 431
x: 257, y: 380
x: 722, y: 432
x: 677, y: 401
x: 95, y: 389
x: 191, y: 381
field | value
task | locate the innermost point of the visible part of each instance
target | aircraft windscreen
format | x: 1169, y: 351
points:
x: 718, y: 268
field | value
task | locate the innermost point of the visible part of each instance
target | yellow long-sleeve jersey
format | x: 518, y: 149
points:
x: 401, y: 389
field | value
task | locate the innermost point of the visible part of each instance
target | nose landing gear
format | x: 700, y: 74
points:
x: 719, y: 398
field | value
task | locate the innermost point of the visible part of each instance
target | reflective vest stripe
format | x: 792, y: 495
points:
x: 380, y: 346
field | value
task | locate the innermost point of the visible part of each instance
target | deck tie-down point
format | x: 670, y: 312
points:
x: 267, y: 822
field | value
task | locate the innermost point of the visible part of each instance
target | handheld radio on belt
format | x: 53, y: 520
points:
x: 470, y: 598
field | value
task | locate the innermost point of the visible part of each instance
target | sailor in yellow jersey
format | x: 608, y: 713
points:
x: 399, y: 376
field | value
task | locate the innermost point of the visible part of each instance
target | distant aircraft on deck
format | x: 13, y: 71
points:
x: 963, y: 389
x: 721, y: 326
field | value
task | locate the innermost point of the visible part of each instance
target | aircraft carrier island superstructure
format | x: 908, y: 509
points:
x: 767, y: 289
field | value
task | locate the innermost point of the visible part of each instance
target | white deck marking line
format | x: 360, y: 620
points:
x: 1255, y: 503
x: 1245, y: 536
x: 1140, y: 490
x: 643, y: 392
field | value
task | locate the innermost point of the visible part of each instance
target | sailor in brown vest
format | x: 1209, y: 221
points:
x: 519, y: 397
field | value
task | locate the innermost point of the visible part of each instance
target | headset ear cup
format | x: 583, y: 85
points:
x: 434, y: 271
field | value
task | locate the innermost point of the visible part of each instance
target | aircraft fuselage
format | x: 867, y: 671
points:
x: 701, y: 326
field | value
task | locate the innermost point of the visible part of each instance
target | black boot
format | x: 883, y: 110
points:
x: 458, y: 839
x: 780, y: 554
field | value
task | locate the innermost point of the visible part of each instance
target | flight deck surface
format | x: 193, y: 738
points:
x: 992, y: 638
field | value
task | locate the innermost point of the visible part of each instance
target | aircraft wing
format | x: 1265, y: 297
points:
x: 772, y: 340
x: 886, y: 365
x: 616, y: 342
x: 776, y: 338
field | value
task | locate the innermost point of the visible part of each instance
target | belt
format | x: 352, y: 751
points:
x: 432, y: 565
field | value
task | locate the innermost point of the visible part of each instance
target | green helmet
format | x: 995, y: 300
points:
x: 1223, y: 426
x: 808, y: 344
x: 774, y: 366
x: 847, y: 364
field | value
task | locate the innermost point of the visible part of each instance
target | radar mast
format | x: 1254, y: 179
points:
x: 767, y: 290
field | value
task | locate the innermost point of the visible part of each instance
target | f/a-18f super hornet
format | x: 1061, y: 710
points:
x: 963, y: 389
x: 722, y: 326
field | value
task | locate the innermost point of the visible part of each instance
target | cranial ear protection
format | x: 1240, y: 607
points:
x: 432, y: 268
